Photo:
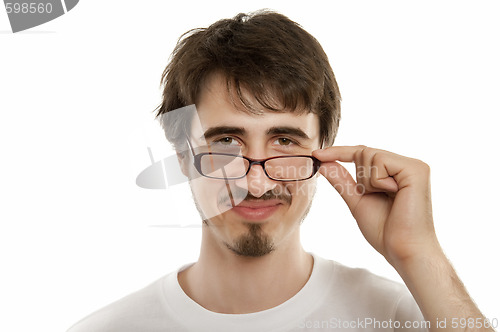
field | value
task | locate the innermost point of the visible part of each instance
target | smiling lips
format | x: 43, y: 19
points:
x: 257, y: 210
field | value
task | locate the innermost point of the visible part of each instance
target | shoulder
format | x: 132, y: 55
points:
x: 357, y: 281
x: 135, y: 312
x: 361, y: 280
x: 371, y: 293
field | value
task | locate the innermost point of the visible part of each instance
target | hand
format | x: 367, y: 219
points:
x: 391, y: 200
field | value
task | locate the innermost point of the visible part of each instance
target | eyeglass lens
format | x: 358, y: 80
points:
x: 230, y: 166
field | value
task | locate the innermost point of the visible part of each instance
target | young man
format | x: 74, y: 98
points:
x: 252, y: 107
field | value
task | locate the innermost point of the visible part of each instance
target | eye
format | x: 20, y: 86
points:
x: 227, y: 141
x: 283, y: 141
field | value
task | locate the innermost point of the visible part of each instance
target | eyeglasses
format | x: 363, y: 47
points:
x: 281, y: 168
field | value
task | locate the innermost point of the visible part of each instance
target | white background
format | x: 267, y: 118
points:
x: 76, y: 99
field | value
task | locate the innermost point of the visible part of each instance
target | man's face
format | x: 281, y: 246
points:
x: 253, y: 215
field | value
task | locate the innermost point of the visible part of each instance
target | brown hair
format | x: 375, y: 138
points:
x: 273, y: 58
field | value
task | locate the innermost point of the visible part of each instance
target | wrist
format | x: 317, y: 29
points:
x: 426, y: 255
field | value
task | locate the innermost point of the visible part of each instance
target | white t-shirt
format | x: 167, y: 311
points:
x: 335, y: 298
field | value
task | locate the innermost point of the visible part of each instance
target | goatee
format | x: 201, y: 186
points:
x: 255, y: 243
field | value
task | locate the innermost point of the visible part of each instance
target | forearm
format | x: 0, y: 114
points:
x: 440, y: 294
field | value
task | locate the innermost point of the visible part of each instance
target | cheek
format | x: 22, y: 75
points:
x: 205, y: 193
x: 212, y: 195
x: 302, y: 193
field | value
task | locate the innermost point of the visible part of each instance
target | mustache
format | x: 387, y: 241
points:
x: 239, y: 194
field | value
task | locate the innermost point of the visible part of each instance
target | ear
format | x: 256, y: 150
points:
x: 183, y: 159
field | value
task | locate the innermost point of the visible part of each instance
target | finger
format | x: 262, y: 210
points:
x: 340, y: 153
x: 387, y: 184
x: 371, y: 171
x: 380, y: 177
x: 396, y: 171
x: 340, y: 178
x: 362, y: 172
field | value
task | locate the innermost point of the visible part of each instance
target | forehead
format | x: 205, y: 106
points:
x: 215, y: 107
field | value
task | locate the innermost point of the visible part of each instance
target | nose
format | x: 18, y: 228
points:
x: 256, y: 182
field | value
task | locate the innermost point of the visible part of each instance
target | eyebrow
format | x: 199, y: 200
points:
x: 291, y: 131
x: 222, y: 130
x: 229, y: 130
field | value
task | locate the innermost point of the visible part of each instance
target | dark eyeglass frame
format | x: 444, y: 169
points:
x: 251, y: 162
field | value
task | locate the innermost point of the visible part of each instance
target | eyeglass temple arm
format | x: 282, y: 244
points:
x: 190, y: 146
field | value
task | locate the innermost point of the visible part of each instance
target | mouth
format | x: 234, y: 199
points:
x: 257, y: 210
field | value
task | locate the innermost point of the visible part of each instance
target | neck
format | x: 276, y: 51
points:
x: 224, y: 282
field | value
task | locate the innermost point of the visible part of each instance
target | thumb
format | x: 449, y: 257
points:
x: 340, y: 178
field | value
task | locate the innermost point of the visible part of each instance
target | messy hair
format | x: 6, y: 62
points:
x: 274, y: 59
